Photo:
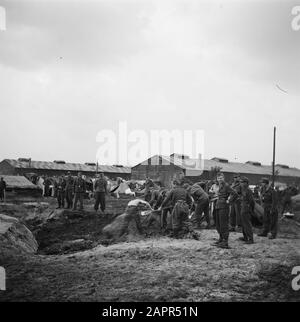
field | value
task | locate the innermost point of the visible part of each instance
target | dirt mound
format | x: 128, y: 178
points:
x: 289, y: 228
x: 133, y: 224
x: 136, y: 223
x: 15, y: 237
x: 123, y: 225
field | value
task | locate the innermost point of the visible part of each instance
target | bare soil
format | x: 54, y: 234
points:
x: 153, y: 268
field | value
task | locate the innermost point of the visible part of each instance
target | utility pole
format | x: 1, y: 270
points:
x: 274, y: 156
x: 274, y: 195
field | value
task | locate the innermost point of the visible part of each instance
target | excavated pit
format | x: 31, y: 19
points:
x: 74, y: 231
x: 66, y: 231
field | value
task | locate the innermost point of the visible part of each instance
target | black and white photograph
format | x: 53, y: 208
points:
x: 149, y: 153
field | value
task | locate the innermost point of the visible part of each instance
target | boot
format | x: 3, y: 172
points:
x: 223, y: 244
x: 243, y: 239
x: 250, y: 241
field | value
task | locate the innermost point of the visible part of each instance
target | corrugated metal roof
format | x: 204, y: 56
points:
x: 45, y: 165
x: 18, y: 182
x: 193, y: 165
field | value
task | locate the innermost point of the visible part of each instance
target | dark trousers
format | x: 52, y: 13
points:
x: 1, y: 195
x: 78, y: 196
x: 202, y: 207
x: 213, y: 211
x: 69, y: 198
x: 164, y: 217
x: 99, y: 200
x: 222, y: 223
x: 246, y: 224
x: 61, y: 199
x: 180, y: 218
x: 235, y: 215
x: 270, y: 221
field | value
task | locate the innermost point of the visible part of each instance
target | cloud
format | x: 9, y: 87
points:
x: 83, y: 33
x: 69, y: 69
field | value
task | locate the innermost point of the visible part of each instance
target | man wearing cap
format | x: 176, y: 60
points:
x: 155, y: 193
x: 235, y: 209
x: 148, y: 189
x: 247, y: 208
x: 79, y: 188
x: 269, y: 200
x: 225, y: 196
x: 181, y: 202
x: 100, y: 190
x: 69, y: 190
x: 201, y: 200
x: 60, y: 187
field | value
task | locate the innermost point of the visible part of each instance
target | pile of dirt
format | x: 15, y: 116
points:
x: 289, y: 228
x: 140, y: 221
x: 15, y: 237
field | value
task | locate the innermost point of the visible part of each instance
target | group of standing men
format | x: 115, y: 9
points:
x: 230, y: 206
x: 73, y: 190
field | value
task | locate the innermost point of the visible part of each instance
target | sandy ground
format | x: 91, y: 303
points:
x: 161, y: 269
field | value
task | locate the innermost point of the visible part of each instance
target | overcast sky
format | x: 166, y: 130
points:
x: 71, y: 68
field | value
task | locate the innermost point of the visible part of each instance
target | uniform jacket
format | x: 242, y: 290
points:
x: 267, y: 195
x: 100, y: 185
x: 225, y: 193
x: 79, y: 185
x: 157, y: 197
x: 198, y: 194
x: 238, y: 189
x: 178, y: 194
x: 162, y: 197
x: 60, y: 185
x: 69, y: 183
x: 247, y: 200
